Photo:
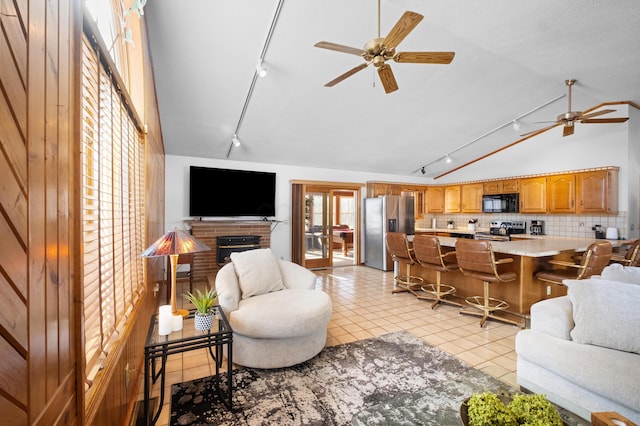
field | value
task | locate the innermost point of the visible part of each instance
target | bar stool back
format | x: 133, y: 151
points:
x: 476, y: 260
x: 631, y: 256
x: 400, y: 251
x: 594, y: 260
x: 428, y: 253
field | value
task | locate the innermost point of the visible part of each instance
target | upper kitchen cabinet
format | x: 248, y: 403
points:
x: 435, y: 199
x: 510, y: 186
x: 561, y: 193
x: 452, y: 199
x: 471, y: 198
x: 597, y: 192
x: 533, y: 195
x: 420, y: 203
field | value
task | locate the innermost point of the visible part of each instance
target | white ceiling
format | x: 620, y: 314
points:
x: 512, y: 56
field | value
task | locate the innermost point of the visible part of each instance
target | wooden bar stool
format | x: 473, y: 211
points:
x: 400, y: 251
x: 593, y: 261
x: 428, y: 253
x: 476, y: 260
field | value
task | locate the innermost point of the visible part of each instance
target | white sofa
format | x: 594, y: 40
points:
x: 583, y: 350
x: 278, y: 317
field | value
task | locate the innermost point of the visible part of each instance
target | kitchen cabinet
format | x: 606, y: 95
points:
x: 597, y: 192
x: 435, y: 199
x: 510, y: 186
x: 533, y: 195
x: 471, y: 198
x: 420, y: 203
x: 452, y: 199
x: 561, y: 193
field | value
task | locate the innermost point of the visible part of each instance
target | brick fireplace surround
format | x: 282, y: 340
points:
x: 205, y: 263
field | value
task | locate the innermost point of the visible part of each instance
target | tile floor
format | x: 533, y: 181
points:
x: 364, y: 307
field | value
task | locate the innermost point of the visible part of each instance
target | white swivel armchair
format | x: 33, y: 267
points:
x: 278, y: 317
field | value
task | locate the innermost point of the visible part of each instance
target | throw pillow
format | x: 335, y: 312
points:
x: 258, y: 272
x: 625, y: 274
x: 605, y: 313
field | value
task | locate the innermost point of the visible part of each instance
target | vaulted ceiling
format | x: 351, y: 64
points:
x: 511, y: 57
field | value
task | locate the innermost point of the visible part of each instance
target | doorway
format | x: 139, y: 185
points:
x: 326, y: 232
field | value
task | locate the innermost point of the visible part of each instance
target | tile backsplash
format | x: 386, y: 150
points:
x: 570, y: 225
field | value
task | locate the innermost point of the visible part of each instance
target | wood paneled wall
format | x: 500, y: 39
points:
x: 40, y: 334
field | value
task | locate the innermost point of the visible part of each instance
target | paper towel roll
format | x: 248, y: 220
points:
x: 165, y: 320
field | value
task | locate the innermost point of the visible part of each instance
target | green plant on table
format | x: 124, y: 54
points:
x: 202, y: 301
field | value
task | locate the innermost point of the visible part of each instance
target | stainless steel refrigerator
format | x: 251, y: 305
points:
x: 389, y: 213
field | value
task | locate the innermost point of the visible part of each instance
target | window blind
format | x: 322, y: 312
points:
x: 112, y: 211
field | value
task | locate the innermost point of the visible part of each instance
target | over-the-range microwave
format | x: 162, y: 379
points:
x: 501, y: 203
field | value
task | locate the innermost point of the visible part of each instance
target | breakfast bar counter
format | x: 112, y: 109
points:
x: 530, y: 254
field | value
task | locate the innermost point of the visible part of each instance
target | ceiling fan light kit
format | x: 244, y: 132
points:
x: 379, y: 50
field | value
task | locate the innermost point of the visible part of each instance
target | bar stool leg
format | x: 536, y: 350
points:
x: 407, y: 283
x: 486, y: 305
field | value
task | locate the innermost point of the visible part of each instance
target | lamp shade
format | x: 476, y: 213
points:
x: 174, y: 242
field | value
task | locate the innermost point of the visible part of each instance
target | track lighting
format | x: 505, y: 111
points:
x: 448, y: 159
x: 423, y: 171
x: 260, y: 69
x: 516, y: 125
x: 236, y: 141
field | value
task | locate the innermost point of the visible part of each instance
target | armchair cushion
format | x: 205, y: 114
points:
x: 553, y: 317
x: 258, y: 272
x: 605, y: 313
x: 625, y: 274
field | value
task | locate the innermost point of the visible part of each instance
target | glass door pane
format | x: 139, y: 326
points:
x: 318, y: 236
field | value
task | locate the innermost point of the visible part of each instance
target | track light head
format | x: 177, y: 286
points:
x: 423, y: 171
x: 448, y: 159
x: 260, y: 69
x: 236, y: 141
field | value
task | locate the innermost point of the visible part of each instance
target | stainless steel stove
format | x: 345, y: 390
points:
x: 502, y: 230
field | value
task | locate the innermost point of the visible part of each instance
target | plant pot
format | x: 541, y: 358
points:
x: 203, y: 322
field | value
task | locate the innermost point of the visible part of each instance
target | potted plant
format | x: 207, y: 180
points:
x: 450, y: 224
x: 204, y: 302
x: 472, y: 224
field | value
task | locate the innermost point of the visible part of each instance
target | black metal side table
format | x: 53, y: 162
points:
x: 187, y: 339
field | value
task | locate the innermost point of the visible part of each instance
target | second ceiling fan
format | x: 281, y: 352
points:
x: 568, y: 119
x: 379, y: 50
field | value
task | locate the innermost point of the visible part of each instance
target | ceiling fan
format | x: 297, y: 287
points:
x: 379, y: 50
x: 568, y: 119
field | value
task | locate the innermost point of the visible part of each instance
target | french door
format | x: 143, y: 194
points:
x: 318, y: 209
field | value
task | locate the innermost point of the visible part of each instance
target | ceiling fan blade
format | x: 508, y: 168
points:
x: 595, y: 114
x: 340, y: 48
x: 425, y: 57
x: 605, y: 120
x: 387, y: 78
x: 568, y: 130
x: 541, y: 130
x: 347, y: 74
x: 401, y: 29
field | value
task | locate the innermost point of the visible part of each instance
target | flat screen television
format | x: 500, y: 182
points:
x: 231, y: 193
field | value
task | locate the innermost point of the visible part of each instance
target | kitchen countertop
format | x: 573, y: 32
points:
x: 538, y: 245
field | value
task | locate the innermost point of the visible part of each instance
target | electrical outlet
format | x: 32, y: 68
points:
x: 548, y: 290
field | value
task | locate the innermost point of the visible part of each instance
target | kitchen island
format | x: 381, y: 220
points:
x: 530, y: 254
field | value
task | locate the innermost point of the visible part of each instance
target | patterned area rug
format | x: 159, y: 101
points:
x: 393, y: 379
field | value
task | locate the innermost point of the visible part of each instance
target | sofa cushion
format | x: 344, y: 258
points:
x: 282, y: 314
x: 258, y: 272
x: 625, y: 274
x: 605, y: 313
